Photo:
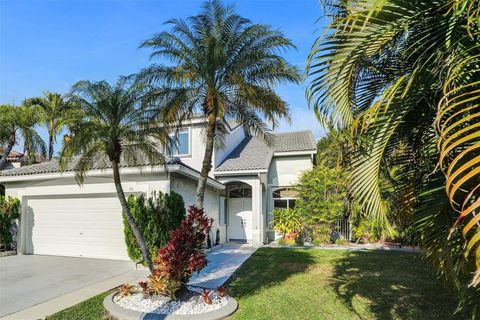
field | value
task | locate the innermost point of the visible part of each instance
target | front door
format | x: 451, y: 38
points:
x: 240, y: 218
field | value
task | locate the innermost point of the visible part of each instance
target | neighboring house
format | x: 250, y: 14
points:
x: 14, y: 159
x: 248, y: 180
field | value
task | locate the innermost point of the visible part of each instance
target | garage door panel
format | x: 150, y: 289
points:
x: 73, y: 226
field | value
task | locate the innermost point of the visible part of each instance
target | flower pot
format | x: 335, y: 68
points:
x: 291, y: 236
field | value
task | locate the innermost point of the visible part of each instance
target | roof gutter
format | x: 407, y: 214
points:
x: 188, y: 172
x: 294, y: 153
x: 90, y: 173
x: 178, y: 168
x: 240, y: 172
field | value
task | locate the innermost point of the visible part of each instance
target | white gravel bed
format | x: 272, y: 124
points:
x: 164, y: 305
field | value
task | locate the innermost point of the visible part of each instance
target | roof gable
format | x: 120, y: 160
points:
x: 254, y: 154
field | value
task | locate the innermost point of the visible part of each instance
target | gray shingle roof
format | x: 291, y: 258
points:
x: 254, y: 154
x: 251, y: 154
x: 294, y: 141
x: 53, y: 166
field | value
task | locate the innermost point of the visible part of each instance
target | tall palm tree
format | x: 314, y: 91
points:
x: 56, y: 112
x: 18, y: 123
x: 113, y: 132
x: 406, y: 74
x: 222, y: 66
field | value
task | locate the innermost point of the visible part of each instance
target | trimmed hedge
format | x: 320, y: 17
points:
x: 156, y: 217
x: 9, y: 212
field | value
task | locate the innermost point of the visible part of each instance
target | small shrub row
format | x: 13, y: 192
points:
x: 9, y: 212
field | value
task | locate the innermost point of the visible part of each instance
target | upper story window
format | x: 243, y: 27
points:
x: 180, y: 144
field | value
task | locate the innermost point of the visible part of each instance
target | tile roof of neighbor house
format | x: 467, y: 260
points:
x: 254, y: 154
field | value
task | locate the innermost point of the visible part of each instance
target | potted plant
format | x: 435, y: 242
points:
x: 288, y: 222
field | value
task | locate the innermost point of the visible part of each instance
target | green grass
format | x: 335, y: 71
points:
x: 278, y: 283
x: 329, y: 284
x: 91, y: 309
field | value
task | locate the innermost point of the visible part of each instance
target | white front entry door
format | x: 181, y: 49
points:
x: 76, y: 226
x: 240, y: 218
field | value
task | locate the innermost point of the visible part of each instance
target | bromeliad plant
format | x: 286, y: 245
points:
x: 206, y: 296
x: 182, y: 256
x: 126, y: 290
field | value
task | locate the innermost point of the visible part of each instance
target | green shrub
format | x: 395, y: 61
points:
x: 9, y: 212
x: 290, y: 242
x: 299, y: 241
x: 286, y: 221
x: 281, y: 242
x: 366, y: 231
x: 340, y: 242
x: 156, y: 217
x: 320, y: 233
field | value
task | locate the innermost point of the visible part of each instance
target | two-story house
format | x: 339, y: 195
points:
x: 249, y: 178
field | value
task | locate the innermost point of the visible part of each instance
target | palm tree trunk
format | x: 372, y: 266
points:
x: 6, y: 152
x: 207, y: 161
x: 128, y: 215
x: 50, y: 147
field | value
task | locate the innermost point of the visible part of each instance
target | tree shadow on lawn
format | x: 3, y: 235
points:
x: 393, y: 285
x: 266, y: 268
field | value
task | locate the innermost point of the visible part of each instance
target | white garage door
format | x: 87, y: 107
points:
x: 76, y: 226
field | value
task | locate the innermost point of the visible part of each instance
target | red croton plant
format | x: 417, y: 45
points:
x: 182, y: 255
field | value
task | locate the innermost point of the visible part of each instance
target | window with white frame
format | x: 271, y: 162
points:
x: 283, y: 198
x: 180, y: 143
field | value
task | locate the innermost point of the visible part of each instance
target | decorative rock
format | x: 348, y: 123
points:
x: 159, y: 307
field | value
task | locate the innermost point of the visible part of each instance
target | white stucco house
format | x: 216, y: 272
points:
x: 248, y: 179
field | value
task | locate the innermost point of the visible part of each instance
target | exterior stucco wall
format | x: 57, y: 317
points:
x: 187, y: 188
x: 197, y: 146
x: 285, y: 170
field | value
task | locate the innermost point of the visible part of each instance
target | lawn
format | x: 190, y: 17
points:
x: 325, y: 284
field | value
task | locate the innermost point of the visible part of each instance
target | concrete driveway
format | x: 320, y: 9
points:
x: 32, y: 280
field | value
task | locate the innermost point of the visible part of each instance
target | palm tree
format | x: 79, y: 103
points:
x: 113, y: 132
x: 56, y: 112
x: 223, y: 67
x: 403, y: 74
x: 19, y: 123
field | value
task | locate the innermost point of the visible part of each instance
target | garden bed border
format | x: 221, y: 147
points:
x: 121, y: 313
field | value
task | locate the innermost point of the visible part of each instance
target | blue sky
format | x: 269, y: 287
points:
x: 51, y: 44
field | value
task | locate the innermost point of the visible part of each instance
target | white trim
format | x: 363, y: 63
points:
x: 294, y: 153
x: 90, y: 173
x: 239, y: 172
x: 182, y: 169
x: 186, y: 171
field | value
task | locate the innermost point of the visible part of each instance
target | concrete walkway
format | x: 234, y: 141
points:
x: 34, y: 286
x: 222, y: 263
